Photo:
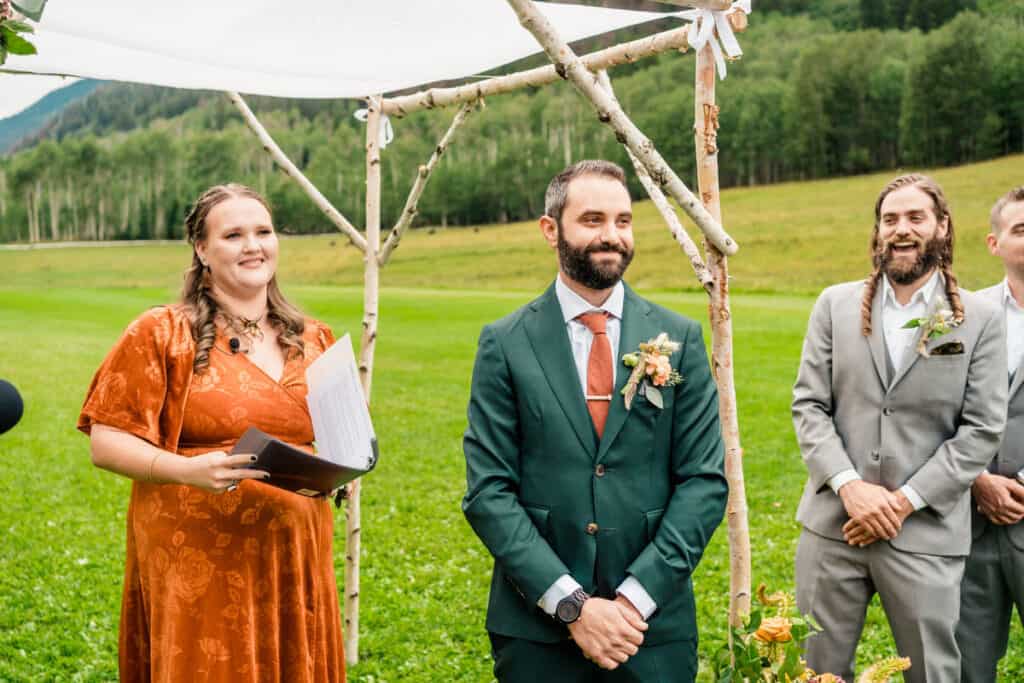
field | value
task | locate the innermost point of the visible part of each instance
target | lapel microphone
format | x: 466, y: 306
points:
x: 234, y: 344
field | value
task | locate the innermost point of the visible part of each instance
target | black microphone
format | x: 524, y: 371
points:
x: 234, y: 344
x: 11, y: 407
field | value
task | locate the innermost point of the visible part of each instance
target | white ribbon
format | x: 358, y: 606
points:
x: 702, y: 32
x: 387, y: 133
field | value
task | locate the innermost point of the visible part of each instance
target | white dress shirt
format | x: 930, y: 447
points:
x: 580, y: 340
x: 898, y: 343
x: 1014, y: 330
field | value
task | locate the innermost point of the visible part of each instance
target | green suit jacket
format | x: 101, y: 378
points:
x: 534, y: 489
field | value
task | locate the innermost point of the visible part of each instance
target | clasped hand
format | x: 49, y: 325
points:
x: 875, y: 512
x: 608, y: 631
x: 1000, y: 499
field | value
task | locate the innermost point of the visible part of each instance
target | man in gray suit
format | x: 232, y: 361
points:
x: 894, y: 424
x: 994, y: 577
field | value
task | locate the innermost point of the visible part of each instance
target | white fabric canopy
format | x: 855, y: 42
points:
x: 319, y: 49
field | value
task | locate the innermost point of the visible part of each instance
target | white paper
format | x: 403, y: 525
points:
x: 341, y: 419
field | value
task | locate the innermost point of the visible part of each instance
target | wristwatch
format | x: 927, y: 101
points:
x: 569, y: 607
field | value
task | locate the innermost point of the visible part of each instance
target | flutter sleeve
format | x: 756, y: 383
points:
x: 130, y: 388
x: 318, y: 338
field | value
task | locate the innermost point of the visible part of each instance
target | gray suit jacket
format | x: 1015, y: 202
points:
x: 935, y: 426
x: 1010, y: 458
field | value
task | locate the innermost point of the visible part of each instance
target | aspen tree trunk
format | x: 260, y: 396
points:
x: 705, y: 132
x: 371, y: 290
x: 53, y: 200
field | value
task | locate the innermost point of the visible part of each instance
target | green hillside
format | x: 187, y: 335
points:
x: 794, y: 237
x: 16, y: 130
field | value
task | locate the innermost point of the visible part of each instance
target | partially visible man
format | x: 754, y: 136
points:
x: 596, y: 511
x: 895, y: 423
x: 994, y: 578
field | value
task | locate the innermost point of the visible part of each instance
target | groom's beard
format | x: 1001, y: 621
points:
x: 580, y: 266
x: 929, y: 256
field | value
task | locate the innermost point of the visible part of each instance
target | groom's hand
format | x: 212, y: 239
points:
x: 608, y: 632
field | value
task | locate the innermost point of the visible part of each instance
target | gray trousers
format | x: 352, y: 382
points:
x: 993, y: 583
x: 920, y: 595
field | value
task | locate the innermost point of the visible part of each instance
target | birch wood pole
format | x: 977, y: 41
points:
x: 664, y: 208
x: 420, y: 184
x: 292, y: 170
x: 371, y: 292
x: 572, y: 68
x: 674, y: 39
x: 706, y: 139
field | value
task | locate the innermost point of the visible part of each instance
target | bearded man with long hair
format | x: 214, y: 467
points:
x: 899, y: 404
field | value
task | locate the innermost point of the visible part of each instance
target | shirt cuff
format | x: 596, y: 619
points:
x: 844, y: 477
x: 632, y: 590
x: 562, y: 588
x: 913, y: 496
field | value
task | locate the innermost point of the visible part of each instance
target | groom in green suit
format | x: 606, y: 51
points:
x: 595, y: 507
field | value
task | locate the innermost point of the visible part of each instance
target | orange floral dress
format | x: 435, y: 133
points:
x: 237, y: 586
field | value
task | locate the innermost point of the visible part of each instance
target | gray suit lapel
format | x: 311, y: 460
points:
x: 1015, y: 384
x: 550, y: 342
x: 876, y: 341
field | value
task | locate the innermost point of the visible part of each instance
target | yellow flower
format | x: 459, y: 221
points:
x: 774, y: 630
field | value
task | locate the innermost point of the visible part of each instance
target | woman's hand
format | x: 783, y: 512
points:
x: 127, y: 454
x: 218, y: 471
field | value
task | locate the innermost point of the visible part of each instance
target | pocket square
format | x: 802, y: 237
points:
x: 953, y: 348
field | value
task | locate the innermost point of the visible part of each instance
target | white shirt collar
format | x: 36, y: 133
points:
x: 922, y: 295
x: 1008, y: 295
x: 573, y: 304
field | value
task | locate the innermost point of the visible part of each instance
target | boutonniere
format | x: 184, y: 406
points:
x: 651, y: 370
x: 937, y: 323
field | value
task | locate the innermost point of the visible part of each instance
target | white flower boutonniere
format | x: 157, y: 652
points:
x: 937, y: 323
x: 651, y: 370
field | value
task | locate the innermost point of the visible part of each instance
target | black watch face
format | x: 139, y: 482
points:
x: 568, y: 610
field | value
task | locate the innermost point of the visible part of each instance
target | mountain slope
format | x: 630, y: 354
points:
x: 28, y: 123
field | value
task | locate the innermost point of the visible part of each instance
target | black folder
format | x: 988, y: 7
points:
x: 293, y: 469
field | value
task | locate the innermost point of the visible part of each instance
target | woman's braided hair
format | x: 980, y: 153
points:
x: 941, y: 209
x: 202, y: 308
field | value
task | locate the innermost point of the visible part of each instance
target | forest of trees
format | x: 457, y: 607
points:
x: 807, y: 100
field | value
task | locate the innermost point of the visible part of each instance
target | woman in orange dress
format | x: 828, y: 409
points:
x: 226, y: 578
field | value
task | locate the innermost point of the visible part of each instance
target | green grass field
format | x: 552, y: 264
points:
x: 425, y: 575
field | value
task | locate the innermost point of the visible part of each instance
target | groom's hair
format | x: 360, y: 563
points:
x: 940, y: 207
x: 558, y: 188
x: 996, y: 219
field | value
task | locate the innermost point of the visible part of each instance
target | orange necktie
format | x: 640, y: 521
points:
x: 599, y: 369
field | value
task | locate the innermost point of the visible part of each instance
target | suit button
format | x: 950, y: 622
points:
x: 592, y: 528
x: 886, y: 411
x: 599, y: 470
x: 875, y: 455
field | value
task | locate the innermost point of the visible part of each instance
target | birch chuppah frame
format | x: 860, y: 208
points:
x: 163, y: 66
x: 589, y: 75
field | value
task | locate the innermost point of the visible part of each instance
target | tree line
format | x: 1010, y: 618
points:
x: 806, y: 101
